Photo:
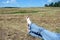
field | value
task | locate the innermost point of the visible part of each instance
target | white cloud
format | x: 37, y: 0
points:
x: 53, y: 0
x: 9, y: 1
x: 50, y: 0
x: 13, y: 1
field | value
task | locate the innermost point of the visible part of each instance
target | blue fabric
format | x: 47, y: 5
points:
x: 37, y: 31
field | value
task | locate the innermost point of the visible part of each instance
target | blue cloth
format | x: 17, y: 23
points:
x: 37, y: 31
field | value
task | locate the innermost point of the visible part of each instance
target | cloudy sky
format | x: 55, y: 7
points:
x: 25, y: 3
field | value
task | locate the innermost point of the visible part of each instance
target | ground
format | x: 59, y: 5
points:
x: 13, y: 24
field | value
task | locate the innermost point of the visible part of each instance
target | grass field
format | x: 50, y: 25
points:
x: 13, y: 23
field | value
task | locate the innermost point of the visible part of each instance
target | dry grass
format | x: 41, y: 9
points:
x: 14, y: 27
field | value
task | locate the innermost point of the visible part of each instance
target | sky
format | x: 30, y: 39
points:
x: 25, y: 3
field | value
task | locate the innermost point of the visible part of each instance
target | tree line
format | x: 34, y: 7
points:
x: 56, y: 4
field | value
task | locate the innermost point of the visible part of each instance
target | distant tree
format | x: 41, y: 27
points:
x: 46, y: 5
x: 10, y: 7
x: 59, y: 3
x: 56, y: 4
x: 51, y: 4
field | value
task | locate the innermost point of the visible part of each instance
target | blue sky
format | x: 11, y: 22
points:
x: 25, y: 3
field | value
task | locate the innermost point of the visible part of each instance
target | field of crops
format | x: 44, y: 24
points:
x: 13, y: 23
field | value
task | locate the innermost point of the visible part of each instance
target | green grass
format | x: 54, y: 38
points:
x: 29, y: 10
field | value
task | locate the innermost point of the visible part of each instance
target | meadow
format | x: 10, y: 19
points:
x: 13, y: 24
